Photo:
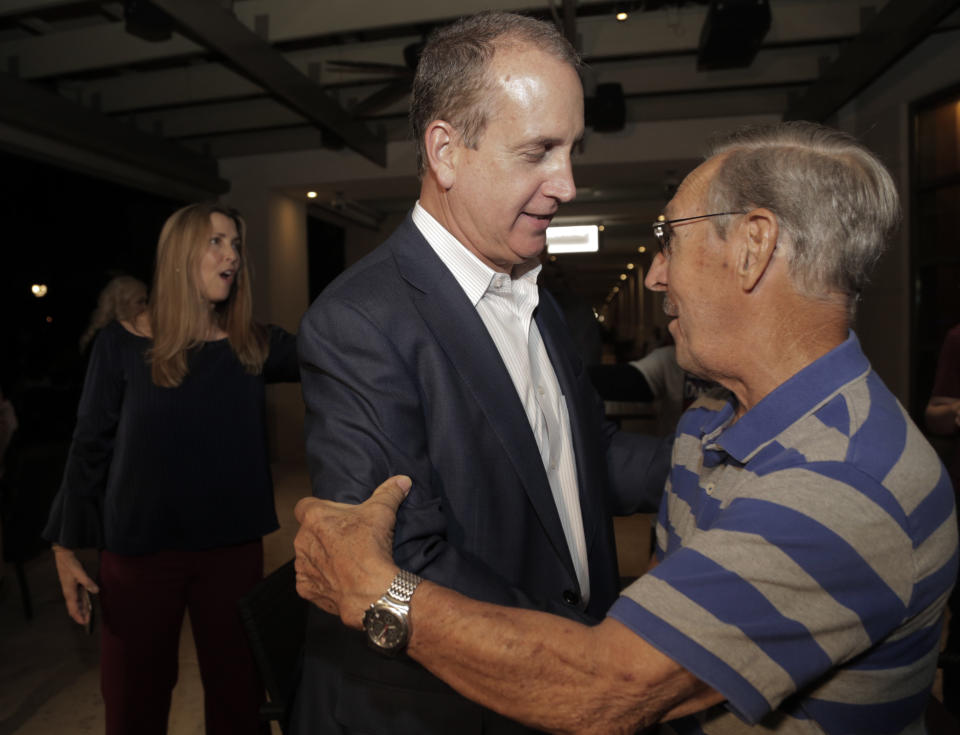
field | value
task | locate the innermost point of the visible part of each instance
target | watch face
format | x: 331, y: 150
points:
x: 385, y: 628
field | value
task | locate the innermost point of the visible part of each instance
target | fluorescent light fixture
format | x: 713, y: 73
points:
x: 572, y: 239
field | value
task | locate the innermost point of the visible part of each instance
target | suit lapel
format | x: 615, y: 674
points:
x: 462, y: 335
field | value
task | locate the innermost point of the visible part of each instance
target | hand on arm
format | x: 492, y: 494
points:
x: 75, y: 583
x: 344, y: 558
x: 541, y: 669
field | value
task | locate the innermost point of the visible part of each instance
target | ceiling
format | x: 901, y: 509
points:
x: 229, y: 78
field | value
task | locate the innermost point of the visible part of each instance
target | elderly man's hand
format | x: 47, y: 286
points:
x: 345, y: 552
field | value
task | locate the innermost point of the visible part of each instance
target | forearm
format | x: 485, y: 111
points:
x: 549, y: 672
x: 941, y: 415
x: 544, y: 670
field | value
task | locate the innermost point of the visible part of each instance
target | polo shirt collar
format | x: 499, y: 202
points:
x: 799, y: 396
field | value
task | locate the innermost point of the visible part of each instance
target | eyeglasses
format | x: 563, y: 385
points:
x: 663, y: 228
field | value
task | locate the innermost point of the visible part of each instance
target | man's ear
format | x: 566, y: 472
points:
x: 759, y: 232
x: 442, y: 144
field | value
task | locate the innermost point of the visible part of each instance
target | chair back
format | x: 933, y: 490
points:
x: 275, y: 620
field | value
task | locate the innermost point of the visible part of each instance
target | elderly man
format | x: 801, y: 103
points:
x: 806, y: 543
x: 438, y: 356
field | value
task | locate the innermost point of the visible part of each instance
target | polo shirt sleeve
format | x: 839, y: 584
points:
x: 783, y: 586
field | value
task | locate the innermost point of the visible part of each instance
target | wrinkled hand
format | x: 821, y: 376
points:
x: 75, y: 583
x: 345, y: 552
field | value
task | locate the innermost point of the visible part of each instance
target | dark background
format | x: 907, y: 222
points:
x: 73, y: 233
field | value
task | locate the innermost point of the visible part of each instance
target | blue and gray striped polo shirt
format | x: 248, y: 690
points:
x: 806, y: 553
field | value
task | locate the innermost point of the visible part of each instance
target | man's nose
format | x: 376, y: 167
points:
x: 560, y: 185
x: 656, y: 279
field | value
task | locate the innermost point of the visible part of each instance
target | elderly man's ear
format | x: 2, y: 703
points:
x: 757, y: 238
x: 442, y: 152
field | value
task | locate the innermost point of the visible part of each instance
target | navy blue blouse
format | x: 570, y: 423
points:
x: 183, y: 468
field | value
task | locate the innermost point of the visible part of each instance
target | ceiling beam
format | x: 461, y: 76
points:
x: 103, y: 46
x: 21, y: 7
x: 896, y: 29
x: 256, y: 59
x: 39, y: 112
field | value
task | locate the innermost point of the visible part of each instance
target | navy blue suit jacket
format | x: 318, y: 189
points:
x: 401, y: 376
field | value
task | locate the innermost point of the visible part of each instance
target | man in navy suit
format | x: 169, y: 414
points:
x: 438, y: 357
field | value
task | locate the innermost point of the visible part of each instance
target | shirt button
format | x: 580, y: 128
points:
x: 570, y: 597
x: 709, y: 488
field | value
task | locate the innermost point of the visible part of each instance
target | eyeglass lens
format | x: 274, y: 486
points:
x: 663, y: 232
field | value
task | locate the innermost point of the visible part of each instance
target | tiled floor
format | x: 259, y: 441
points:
x: 49, y: 676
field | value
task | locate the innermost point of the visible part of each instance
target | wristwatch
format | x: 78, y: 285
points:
x: 387, y: 622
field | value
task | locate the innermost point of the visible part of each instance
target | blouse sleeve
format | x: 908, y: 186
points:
x: 281, y: 365
x: 76, y: 516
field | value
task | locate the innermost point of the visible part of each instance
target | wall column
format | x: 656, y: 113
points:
x: 277, y: 255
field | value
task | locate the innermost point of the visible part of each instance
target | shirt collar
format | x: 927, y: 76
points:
x: 799, y: 396
x: 474, y: 276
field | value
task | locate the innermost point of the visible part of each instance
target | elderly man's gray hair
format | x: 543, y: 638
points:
x: 835, y: 202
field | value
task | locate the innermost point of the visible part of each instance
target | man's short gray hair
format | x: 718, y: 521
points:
x: 835, y: 202
x: 451, y: 82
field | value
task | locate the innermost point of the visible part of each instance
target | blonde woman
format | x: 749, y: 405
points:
x: 122, y: 299
x: 168, y: 476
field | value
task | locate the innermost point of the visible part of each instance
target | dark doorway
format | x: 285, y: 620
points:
x: 935, y: 235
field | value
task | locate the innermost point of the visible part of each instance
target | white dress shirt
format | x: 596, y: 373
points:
x: 506, y: 306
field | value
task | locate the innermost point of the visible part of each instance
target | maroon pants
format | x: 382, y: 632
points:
x: 143, y: 600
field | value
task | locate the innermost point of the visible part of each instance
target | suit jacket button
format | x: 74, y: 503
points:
x: 570, y: 597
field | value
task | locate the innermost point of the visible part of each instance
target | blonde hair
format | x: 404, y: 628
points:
x: 122, y: 299
x: 179, y: 315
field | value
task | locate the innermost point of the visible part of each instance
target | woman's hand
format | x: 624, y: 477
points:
x: 76, y: 584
